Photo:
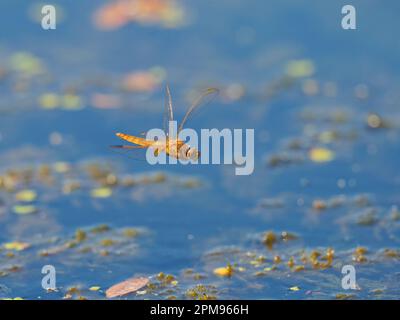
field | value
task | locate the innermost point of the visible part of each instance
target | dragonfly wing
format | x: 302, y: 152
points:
x: 204, y: 99
x: 134, y: 152
x: 127, y: 147
x: 168, y: 111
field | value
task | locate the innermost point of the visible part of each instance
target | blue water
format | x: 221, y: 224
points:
x: 183, y: 225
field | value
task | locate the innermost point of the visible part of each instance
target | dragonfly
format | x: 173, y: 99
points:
x: 172, y: 146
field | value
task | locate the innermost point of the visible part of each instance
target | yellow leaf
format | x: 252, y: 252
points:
x: 300, y: 68
x: 294, y: 288
x: 49, y: 101
x: 16, y: 245
x: 26, y: 195
x: 103, y: 192
x: 24, y: 209
x: 94, y: 288
x: 321, y: 155
x: 224, y: 271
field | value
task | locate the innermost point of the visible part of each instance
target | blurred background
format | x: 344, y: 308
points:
x: 324, y: 103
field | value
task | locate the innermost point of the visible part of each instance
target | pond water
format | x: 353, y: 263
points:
x: 324, y: 104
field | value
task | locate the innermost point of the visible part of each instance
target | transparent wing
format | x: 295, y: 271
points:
x: 134, y: 152
x: 204, y: 99
x: 168, y: 111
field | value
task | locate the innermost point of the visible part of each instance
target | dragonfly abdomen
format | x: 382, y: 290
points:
x: 133, y: 139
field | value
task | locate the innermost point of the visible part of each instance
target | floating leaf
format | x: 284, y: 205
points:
x: 224, y: 271
x: 26, y: 195
x: 49, y: 101
x: 295, y: 288
x: 24, y: 209
x: 16, y: 245
x: 125, y: 287
x: 321, y: 155
x: 103, y: 192
x: 94, y: 288
x: 300, y: 68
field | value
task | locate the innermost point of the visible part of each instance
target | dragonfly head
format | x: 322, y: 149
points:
x: 193, y: 154
x: 189, y: 153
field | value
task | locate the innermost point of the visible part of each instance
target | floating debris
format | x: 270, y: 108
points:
x: 126, y: 287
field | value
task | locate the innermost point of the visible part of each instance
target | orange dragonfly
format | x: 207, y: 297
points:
x: 173, y: 147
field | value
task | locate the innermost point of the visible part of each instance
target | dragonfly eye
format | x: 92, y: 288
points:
x: 193, y: 154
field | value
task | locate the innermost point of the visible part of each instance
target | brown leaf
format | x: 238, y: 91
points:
x: 127, y: 286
